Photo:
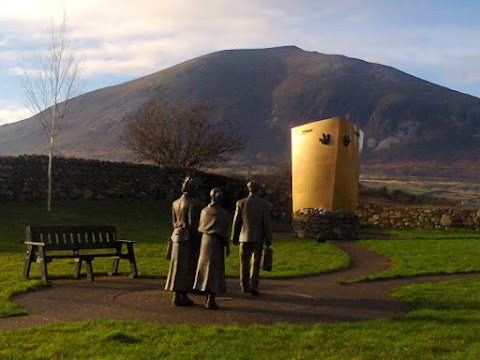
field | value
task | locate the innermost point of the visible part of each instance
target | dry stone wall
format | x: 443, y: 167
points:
x: 323, y: 225
x: 418, y: 217
x: 372, y: 215
x: 24, y: 178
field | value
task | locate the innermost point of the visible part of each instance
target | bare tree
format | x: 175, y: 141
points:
x: 181, y: 136
x: 51, y: 85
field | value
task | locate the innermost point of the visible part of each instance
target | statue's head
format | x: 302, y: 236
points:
x: 189, y: 185
x: 216, y: 195
x: 253, y: 187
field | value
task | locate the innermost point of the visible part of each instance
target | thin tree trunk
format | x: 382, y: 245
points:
x: 49, y: 174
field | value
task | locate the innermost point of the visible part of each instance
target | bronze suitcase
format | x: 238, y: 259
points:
x: 267, y: 258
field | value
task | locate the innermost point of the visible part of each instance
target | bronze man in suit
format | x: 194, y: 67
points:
x: 251, y: 228
x: 185, y: 239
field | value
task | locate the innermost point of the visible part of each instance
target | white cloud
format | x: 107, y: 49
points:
x: 464, y: 70
x: 142, y: 35
x: 11, y: 114
x: 132, y: 39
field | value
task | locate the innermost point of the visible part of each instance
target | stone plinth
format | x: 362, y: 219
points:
x: 323, y: 225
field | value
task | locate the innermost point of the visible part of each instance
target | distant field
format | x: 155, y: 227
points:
x: 463, y: 192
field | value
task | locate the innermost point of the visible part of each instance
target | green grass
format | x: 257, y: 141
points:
x: 426, y: 252
x: 146, y: 221
x: 445, y: 325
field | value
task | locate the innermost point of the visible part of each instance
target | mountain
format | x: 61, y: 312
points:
x: 409, y: 123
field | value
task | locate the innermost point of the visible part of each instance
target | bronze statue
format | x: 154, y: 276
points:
x: 185, y: 238
x: 210, y: 276
x: 251, y: 228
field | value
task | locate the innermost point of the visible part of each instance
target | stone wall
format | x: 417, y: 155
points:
x: 418, y: 217
x: 24, y: 178
x: 323, y: 225
x: 408, y: 216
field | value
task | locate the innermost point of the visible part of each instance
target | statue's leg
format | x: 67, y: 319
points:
x: 255, y: 269
x: 245, y: 258
x: 211, y: 304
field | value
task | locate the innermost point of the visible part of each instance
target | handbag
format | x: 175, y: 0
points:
x: 177, y: 234
x: 267, y: 258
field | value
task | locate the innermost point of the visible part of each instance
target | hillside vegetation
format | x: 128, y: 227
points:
x: 406, y: 120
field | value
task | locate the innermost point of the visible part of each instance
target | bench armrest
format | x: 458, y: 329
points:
x: 127, y: 241
x: 34, y: 243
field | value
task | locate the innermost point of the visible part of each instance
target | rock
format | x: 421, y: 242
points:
x: 88, y: 194
x: 372, y: 142
x: 10, y: 195
x: 445, y: 220
x: 300, y: 233
x: 386, y: 143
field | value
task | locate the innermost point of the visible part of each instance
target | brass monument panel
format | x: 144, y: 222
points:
x: 325, y: 165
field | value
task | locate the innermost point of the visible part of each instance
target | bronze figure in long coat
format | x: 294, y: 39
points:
x: 251, y: 229
x: 185, y: 239
x: 214, y: 226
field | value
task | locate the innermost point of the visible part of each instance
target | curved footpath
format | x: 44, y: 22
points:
x: 301, y: 301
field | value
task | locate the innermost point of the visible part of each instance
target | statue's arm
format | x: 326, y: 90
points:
x: 236, y: 226
x: 174, y: 218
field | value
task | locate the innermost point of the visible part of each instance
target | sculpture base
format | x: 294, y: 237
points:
x: 322, y: 225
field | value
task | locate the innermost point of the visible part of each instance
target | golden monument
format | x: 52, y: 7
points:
x: 325, y: 165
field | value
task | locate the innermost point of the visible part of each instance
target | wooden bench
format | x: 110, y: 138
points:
x: 81, y: 243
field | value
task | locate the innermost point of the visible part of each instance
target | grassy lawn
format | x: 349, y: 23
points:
x: 425, y: 252
x: 444, y: 325
x: 149, y: 223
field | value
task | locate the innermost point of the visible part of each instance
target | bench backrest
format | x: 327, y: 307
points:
x: 74, y: 237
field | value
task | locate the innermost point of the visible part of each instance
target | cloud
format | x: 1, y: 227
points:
x: 144, y: 35
x: 125, y: 40
x: 464, y: 70
x: 11, y: 114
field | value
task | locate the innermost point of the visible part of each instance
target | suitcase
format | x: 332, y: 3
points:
x: 267, y: 258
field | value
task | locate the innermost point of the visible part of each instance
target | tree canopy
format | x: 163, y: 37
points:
x: 181, y: 135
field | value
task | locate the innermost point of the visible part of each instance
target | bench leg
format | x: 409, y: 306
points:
x: 43, y: 264
x: 133, y: 263
x: 89, y: 268
x: 29, y: 258
x: 78, y: 268
x: 114, y: 271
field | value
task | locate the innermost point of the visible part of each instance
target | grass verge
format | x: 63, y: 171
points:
x: 445, y: 325
x: 147, y: 222
x: 427, y: 252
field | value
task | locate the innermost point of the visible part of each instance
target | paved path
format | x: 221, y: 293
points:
x: 302, y: 301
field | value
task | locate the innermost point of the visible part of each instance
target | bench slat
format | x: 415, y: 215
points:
x: 73, y: 237
x: 42, y: 240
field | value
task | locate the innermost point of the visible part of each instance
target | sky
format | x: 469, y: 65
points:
x: 119, y: 40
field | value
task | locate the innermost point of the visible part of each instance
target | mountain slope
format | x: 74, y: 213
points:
x: 404, y: 118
